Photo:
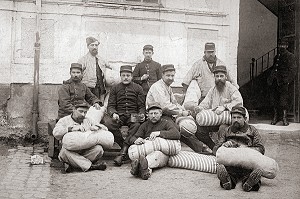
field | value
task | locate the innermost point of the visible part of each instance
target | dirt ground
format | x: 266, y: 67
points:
x: 165, y: 183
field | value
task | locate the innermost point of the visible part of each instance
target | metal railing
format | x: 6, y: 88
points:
x: 258, y: 66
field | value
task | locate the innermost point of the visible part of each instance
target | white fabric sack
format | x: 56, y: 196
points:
x: 247, y: 158
x: 192, y: 96
x: 78, y: 140
x: 94, y: 115
x: 157, y: 159
x: 112, y: 77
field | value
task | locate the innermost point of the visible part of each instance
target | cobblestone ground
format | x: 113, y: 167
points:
x: 21, y: 180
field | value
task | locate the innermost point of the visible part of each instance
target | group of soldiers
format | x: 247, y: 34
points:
x: 145, y: 103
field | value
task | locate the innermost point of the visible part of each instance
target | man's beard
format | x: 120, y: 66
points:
x: 211, y: 59
x: 94, y: 52
x: 220, y: 85
x: 76, y: 79
x: 236, y: 126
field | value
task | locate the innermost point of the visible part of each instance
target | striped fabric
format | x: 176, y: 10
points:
x: 194, y: 161
x: 210, y: 118
x: 168, y: 147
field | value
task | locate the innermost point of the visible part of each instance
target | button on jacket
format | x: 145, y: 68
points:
x: 152, y: 68
x: 126, y: 99
x: 284, y: 69
x: 70, y: 93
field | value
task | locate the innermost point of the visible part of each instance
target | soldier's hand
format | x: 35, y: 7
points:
x: 139, y: 141
x: 186, y: 113
x: 230, y: 144
x: 153, y: 135
x: 115, y: 116
x: 145, y: 76
x: 94, y: 128
x: 97, y: 106
x: 78, y: 128
x: 198, y: 109
x: 219, y: 110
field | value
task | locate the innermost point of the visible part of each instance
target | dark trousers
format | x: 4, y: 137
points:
x: 191, y: 141
x: 203, y: 134
x: 238, y: 173
x: 279, y: 95
x: 114, y: 127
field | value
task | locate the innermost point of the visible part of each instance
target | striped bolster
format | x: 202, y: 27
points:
x: 193, y: 161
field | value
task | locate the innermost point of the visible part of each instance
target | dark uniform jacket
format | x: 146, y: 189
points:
x: 283, y: 69
x: 247, y: 136
x: 71, y: 93
x: 152, y: 68
x: 167, y: 130
x: 126, y: 99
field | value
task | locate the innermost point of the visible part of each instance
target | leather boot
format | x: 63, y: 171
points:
x: 120, y: 159
x: 284, y: 118
x: 275, y: 118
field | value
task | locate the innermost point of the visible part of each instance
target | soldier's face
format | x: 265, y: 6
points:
x: 220, y: 79
x: 79, y: 114
x: 76, y: 74
x: 148, y: 54
x: 126, y: 77
x: 154, y: 115
x: 237, y: 120
x: 168, y: 77
x: 93, y: 48
x: 209, y: 54
x: 282, y: 47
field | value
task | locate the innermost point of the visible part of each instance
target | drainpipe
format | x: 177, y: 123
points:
x: 35, y: 107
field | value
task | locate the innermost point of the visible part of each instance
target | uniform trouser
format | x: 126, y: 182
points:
x: 82, y: 159
x: 191, y: 141
x: 98, y: 94
x: 114, y: 127
x: 203, y: 134
x: 238, y: 173
x: 279, y: 95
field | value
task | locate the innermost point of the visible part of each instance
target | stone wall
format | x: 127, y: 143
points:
x: 177, y: 29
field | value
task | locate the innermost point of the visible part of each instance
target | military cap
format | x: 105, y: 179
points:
x: 238, y: 109
x: 220, y: 68
x: 168, y: 67
x: 90, y: 40
x: 209, y: 46
x: 126, y: 68
x: 148, y: 47
x: 82, y: 104
x: 154, y: 105
x: 283, y: 41
x: 76, y: 65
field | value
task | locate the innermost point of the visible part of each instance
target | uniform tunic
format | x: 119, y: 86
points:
x: 71, y: 93
x: 204, y: 76
x: 166, y: 128
x: 126, y: 99
x: 283, y: 72
x: 228, y: 98
x: 163, y: 95
x: 152, y: 68
x: 88, y: 62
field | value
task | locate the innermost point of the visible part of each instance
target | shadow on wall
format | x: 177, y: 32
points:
x: 20, y: 102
